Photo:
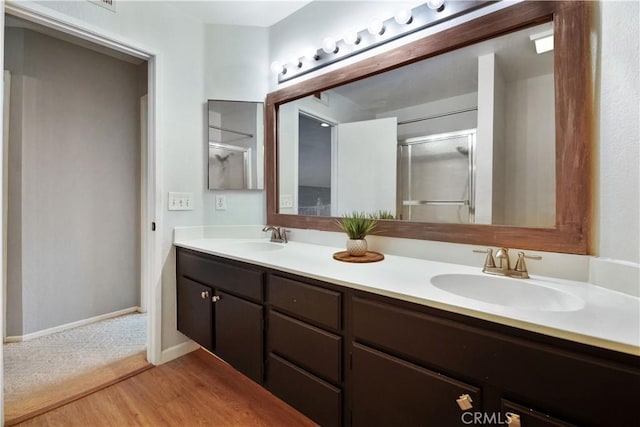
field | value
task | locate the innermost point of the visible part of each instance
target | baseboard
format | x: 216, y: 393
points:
x: 178, y: 350
x: 71, y: 325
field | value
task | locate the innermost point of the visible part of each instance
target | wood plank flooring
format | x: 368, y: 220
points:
x: 194, y: 390
x: 54, y: 396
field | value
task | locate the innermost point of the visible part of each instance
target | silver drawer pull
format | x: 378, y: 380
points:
x: 204, y: 294
x: 216, y: 298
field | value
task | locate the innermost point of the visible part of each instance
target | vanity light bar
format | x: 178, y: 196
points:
x: 405, y: 22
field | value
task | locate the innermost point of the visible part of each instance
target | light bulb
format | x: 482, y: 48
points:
x: 351, y: 37
x: 436, y: 5
x: 329, y: 45
x: 276, y: 67
x: 403, y: 16
x: 311, y: 53
x: 375, y: 27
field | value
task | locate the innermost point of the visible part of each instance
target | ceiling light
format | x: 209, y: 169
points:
x: 543, y: 41
x: 403, y: 16
x: 324, y: 125
x: 351, y: 37
x: 437, y: 5
x: 329, y: 45
x: 277, y: 67
x: 375, y: 27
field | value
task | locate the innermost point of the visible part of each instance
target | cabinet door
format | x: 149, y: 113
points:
x: 388, y: 391
x: 195, y: 313
x: 239, y: 336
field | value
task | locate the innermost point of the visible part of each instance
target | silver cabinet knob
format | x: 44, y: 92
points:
x: 513, y: 420
x: 464, y: 402
x: 204, y: 294
x: 216, y: 298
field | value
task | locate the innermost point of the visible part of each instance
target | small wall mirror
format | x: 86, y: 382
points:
x: 235, y: 145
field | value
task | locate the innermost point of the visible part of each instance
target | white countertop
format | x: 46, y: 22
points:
x: 609, y: 319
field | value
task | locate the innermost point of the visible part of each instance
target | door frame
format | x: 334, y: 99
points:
x: 151, y: 168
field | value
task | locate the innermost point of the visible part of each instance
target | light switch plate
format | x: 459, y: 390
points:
x: 180, y: 201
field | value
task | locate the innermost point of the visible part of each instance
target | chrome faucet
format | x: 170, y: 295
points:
x: 503, y: 267
x: 278, y: 235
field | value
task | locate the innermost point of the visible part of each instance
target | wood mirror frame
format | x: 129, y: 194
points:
x: 573, y: 128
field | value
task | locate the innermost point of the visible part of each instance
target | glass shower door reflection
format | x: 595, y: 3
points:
x: 436, y: 178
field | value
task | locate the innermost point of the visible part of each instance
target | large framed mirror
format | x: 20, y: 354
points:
x: 472, y: 135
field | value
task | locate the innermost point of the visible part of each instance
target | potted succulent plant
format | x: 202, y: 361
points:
x: 357, y: 225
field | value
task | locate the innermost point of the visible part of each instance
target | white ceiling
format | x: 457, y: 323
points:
x: 259, y: 13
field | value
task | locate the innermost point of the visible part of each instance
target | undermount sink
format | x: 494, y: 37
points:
x: 258, y: 246
x: 508, y: 292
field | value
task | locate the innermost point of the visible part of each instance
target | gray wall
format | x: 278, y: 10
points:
x: 74, y: 183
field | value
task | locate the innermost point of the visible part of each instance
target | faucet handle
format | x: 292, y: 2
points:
x: 489, y: 262
x: 283, y: 234
x: 521, y: 265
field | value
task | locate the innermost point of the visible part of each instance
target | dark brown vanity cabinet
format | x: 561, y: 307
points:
x: 345, y: 357
x: 428, y: 359
x: 220, y: 308
x: 305, y: 354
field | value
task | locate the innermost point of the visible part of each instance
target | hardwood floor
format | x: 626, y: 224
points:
x: 194, y: 390
x: 47, y: 398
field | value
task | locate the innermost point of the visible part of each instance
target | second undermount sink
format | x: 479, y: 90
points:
x: 508, y: 292
x: 258, y: 245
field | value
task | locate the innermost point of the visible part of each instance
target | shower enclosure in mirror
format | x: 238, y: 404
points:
x: 467, y: 137
x: 235, y: 145
x: 423, y: 196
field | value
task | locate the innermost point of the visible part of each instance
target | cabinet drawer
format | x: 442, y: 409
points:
x: 307, y: 301
x: 388, y: 391
x: 204, y: 269
x: 315, y: 350
x: 531, y: 418
x: 310, y: 395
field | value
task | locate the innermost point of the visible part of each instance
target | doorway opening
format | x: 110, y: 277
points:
x: 315, y: 153
x: 78, y: 191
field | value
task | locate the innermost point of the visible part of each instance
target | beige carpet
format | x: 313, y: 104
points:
x: 48, y: 371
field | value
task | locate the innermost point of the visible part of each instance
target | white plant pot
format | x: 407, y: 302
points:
x: 356, y: 247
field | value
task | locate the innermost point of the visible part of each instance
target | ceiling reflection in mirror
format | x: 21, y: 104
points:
x: 465, y: 137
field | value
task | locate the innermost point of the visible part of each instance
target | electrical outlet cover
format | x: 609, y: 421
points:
x: 221, y: 202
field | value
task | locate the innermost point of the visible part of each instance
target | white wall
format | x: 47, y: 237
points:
x: 484, y: 139
x: 618, y: 130
x: 74, y: 152
x: 235, y: 69
x: 531, y: 190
